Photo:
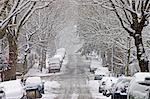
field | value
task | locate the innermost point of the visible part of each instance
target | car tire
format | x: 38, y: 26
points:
x: 49, y: 70
x: 100, y: 91
x: 112, y: 96
x: 104, y: 93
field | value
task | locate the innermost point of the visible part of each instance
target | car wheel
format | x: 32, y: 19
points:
x: 100, y: 91
x: 104, y: 93
x: 49, y: 71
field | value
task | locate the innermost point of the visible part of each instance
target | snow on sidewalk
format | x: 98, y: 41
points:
x: 94, y: 87
x: 35, y: 71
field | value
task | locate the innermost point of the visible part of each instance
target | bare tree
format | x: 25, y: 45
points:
x: 41, y: 30
x: 134, y: 16
x: 12, y: 21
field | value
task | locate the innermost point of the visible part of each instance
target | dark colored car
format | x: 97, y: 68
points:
x: 98, y: 77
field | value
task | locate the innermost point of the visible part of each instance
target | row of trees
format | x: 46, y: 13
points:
x: 29, y: 25
x: 115, y: 29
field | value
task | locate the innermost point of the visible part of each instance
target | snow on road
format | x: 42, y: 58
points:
x: 93, y: 86
x: 50, y: 86
x: 73, y: 82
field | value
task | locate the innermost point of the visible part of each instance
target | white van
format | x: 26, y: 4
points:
x: 139, y: 87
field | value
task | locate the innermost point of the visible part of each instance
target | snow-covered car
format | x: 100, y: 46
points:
x: 94, y: 65
x: 34, y: 84
x: 119, y: 90
x: 54, y: 65
x: 13, y: 89
x: 100, y: 73
x: 102, y: 83
x: 60, y: 57
x: 139, y: 87
x: 108, y: 85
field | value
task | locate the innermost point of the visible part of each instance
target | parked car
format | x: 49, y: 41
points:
x: 102, y: 83
x: 54, y: 65
x: 119, y: 90
x: 108, y: 85
x: 100, y: 73
x: 34, y: 87
x: 139, y: 87
x: 13, y: 89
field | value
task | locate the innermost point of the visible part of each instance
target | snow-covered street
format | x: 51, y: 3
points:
x: 74, y: 49
x: 73, y: 82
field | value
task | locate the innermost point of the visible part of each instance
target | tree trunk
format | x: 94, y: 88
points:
x: 141, y: 55
x: 11, y: 73
x: 128, y: 56
x: 103, y: 56
x: 25, y: 64
x: 43, y: 60
x: 109, y: 54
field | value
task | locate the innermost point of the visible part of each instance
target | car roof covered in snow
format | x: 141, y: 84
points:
x: 13, y: 89
x: 58, y: 56
x: 140, y: 76
x: 33, y: 80
x: 102, y: 71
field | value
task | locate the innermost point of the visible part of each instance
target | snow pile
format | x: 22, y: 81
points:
x: 93, y: 84
x: 49, y: 87
x: 35, y: 71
